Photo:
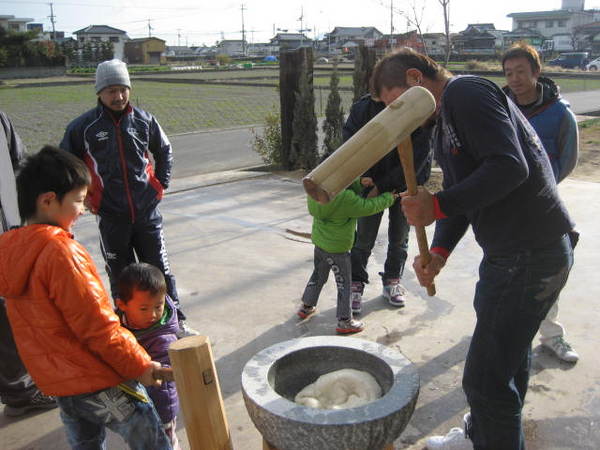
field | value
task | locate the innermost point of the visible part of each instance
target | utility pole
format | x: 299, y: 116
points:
x: 391, y: 23
x: 243, y: 31
x: 149, y: 28
x: 302, y: 29
x: 178, y: 37
x: 52, y: 21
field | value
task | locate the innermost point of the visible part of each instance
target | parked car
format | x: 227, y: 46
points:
x: 594, y: 64
x: 571, y: 60
x: 322, y: 60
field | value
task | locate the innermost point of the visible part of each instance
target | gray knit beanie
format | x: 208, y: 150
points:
x: 110, y: 73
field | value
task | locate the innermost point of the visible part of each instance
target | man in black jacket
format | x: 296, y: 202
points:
x: 386, y: 176
x: 498, y: 180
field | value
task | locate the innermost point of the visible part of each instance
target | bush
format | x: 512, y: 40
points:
x: 473, y: 64
x: 268, y: 144
x: 223, y: 59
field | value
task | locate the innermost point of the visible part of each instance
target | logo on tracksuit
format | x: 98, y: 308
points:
x: 102, y: 136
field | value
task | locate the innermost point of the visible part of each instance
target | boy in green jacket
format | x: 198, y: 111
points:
x: 334, y: 225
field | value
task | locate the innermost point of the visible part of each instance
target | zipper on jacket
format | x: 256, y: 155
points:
x: 124, y: 166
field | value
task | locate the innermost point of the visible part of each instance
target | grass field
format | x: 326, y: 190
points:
x: 41, y: 114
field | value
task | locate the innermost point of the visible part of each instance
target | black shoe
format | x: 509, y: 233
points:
x: 38, y: 401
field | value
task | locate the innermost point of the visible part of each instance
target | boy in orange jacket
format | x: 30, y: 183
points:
x: 66, y: 331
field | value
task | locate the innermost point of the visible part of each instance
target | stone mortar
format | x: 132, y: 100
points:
x: 272, y: 378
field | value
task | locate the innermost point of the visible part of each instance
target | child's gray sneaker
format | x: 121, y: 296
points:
x: 349, y: 326
x: 306, y: 311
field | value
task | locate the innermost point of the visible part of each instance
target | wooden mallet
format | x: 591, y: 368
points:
x: 405, y: 151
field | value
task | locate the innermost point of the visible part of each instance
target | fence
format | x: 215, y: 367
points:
x: 41, y: 113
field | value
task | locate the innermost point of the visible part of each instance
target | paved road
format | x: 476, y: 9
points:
x: 215, y: 151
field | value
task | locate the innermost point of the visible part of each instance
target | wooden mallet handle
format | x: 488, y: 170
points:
x: 405, y: 151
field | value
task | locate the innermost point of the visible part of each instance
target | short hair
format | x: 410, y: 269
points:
x: 140, y: 277
x: 523, y: 50
x: 390, y: 72
x: 49, y: 170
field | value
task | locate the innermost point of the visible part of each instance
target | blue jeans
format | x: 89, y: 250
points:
x: 86, y: 417
x: 512, y: 297
x: 366, y: 235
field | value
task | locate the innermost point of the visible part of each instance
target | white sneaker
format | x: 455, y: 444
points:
x: 562, y: 349
x: 185, y: 330
x: 454, y: 440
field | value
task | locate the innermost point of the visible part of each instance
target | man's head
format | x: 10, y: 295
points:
x: 51, y: 188
x: 142, y: 290
x: 399, y: 71
x: 521, y: 66
x: 112, y: 84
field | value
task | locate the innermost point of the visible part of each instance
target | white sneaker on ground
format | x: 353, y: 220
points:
x: 393, y: 291
x: 454, y: 440
x: 562, y: 349
x: 185, y: 330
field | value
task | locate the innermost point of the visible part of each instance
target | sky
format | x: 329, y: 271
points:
x: 204, y: 22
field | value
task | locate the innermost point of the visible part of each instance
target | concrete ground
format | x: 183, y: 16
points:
x: 240, y: 275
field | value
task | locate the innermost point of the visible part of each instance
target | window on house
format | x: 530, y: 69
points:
x: 114, y: 39
x: 81, y: 39
x: 96, y: 39
x: 549, y: 23
x: 562, y: 23
x: 14, y: 26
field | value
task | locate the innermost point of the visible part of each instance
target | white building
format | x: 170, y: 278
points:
x: 103, y: 33
x: 12, y: 23
x: 556, y: 26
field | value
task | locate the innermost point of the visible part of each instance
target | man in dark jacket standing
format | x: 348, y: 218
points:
x: 540, y: 101
x: 115, y: 139
x: 18, y: 392
x: 387, y: 176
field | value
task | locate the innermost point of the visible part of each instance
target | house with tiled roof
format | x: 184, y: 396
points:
x: 104, y: 33
x: 354, y: 36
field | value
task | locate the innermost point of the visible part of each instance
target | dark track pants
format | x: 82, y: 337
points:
x: 122, y: 242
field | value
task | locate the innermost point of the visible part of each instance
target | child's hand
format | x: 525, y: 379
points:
x: 367, y: 182
x: 164, y: 374
x: 395, y: 194
x: 147, y: 378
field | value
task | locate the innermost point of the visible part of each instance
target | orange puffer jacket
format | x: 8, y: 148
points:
x: 66, y: 331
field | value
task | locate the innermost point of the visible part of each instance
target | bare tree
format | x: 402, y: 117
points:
x: 446, y: 7
x: 416, y: 19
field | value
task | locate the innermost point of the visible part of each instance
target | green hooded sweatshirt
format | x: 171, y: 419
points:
x: 334, y: 223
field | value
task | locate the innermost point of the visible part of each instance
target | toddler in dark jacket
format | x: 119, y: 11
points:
x: 150, y: 314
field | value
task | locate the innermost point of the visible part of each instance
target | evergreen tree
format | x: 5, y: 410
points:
x: 334, y: 116
x: 304, y: 153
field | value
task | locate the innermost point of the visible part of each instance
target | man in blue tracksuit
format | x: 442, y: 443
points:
x: 115, y: 139
x: 539, y: 100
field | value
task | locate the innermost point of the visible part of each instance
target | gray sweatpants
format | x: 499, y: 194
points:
x: 339, y: 264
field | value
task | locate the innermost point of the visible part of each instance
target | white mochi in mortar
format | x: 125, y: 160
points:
x: 345, y: 388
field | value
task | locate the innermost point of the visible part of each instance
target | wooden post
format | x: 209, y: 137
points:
x: 364, y: 63
x: 199, y: 394
x: 291, y: 64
